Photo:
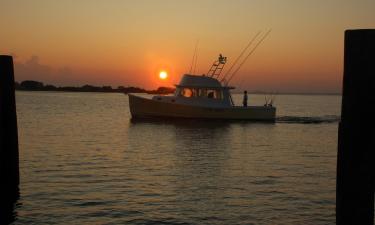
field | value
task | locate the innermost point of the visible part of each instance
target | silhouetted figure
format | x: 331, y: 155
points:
x: 244, y: 102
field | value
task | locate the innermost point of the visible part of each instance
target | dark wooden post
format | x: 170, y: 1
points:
x: 356, y: 141
x: 9, y: 168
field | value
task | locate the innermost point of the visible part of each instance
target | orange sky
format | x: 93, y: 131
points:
x: 123, y: 42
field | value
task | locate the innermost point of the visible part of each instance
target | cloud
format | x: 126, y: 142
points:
x: 32, y: 70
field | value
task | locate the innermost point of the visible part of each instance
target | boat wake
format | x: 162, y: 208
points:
x: 307, y: 119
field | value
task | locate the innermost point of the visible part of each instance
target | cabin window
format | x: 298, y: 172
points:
x: 177, y: 92
x: 199, y: 93
x: 202, y: 92
x: 215, y: 94
x: 194, y: 92
x: 187, y: 92
x: 219, y: 94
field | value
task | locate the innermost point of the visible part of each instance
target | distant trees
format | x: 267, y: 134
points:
x: 90, y: 88
x: 162, y: 90
x: 31, y: 85
x: 107, y: 88
x: 50, y: 87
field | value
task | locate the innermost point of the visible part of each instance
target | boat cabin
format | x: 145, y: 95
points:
x: 200, y: 91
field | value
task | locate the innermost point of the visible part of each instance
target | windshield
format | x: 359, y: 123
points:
x: 199, y: 93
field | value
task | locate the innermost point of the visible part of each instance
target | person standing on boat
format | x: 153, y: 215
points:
x: 244, y: 99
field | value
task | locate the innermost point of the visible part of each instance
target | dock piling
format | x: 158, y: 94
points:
x: 9, y: 161
x: 356, y: 140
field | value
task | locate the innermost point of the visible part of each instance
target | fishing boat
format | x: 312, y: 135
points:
x: 200, y: 97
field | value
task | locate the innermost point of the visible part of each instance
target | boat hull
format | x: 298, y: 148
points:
x: 147, y: 108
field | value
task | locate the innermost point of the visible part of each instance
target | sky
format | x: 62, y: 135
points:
x: 128, y: 42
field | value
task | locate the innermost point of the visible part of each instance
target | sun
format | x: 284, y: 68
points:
x: 163, y: 75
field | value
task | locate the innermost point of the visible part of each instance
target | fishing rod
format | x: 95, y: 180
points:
x: 194, y: 56
x: 270, y: 99
x: 248, y: 55
x: 238, y: 58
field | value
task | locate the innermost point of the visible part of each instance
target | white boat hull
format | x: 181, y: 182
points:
x: 148, y: 108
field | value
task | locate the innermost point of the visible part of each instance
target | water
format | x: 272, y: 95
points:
x: 83, y: 161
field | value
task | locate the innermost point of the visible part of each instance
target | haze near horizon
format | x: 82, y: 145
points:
x: 130, y: 42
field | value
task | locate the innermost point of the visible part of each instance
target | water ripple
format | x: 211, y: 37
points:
x: 83, y: 161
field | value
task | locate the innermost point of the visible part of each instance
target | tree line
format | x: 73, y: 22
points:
x: 31, y: 85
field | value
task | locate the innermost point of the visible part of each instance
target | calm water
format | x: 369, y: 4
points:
x: 83, y: 161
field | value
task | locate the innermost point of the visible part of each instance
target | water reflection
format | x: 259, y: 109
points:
x: 200, y: 165
x: 190, y: 157
x: 198, y: 123
x: 202, y: 153
x: 100, y: 167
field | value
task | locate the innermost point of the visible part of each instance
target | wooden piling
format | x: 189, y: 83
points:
x: 9, y: 161
x: 356, y: 141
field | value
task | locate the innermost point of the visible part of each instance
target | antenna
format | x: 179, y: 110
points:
x: 193, y: 61
x: 238, y: 58
x: 196, y: 57
x: 250, y: 53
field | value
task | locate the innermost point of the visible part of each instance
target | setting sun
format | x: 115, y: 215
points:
x: 163, y: 75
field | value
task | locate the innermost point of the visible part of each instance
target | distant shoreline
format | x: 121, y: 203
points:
x: 156, y: 92
x: 30, y: 85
